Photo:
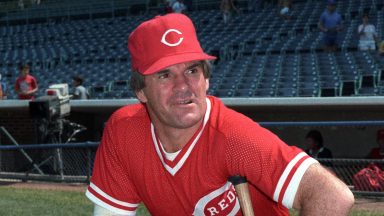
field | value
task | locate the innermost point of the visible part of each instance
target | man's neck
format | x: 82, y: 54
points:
x: 174, y: 139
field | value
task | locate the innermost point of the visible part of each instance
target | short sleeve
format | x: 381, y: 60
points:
x: 110, y: 185
x: 266, y: 161
x: 76, y: 92
x: 359, y: 28
x: 17, y: 85
x: 374, y: 31
x: 34, y: 83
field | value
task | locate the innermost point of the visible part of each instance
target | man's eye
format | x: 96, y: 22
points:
x: 192, y: 71
x: 163, y: 76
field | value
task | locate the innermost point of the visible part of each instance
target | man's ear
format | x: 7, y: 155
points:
x: 207, y: 84
x: 141, y: 96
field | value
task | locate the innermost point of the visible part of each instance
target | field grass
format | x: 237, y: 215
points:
x: 31, y: 202
x: 21, y: 201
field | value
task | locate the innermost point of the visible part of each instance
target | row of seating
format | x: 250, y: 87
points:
x: 259, y: 53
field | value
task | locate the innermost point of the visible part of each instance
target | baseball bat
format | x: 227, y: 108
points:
x: 241, y: 187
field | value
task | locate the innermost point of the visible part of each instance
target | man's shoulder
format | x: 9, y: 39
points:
x: 132, y: 111
x: 228, y: 121
x: 324, y: 13
x: 29, y: 76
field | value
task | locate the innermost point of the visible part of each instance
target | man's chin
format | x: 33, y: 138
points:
x: 189, y: 120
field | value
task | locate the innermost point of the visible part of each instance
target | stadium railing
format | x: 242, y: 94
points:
x: 42, y: 161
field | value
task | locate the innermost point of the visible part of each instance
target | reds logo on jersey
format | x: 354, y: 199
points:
x: 222, y: 201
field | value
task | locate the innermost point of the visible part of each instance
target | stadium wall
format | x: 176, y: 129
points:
x: 350, y: 141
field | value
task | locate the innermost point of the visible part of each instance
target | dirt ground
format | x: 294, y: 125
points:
x: 369, y: 204
x: 45, y: 185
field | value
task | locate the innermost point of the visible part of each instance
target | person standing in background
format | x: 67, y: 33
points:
x: 378, y: 152
x: 26, y: 85
x: 316, y: 148
x: 367, y: 35
x: 227, y: 8
x: 80, y: 91
x: 330, y: 23
x: 3, y: 90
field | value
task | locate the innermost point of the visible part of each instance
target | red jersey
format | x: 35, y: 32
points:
x: 132, y: 167
x: 25, y: 84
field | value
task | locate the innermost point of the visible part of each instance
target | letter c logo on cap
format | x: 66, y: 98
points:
x: 164, y: 41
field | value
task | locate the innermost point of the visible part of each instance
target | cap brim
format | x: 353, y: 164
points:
x: 176, y: 59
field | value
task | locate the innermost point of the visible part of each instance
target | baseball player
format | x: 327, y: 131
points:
x: 176, y: 149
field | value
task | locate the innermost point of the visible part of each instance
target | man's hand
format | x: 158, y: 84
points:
x: 322, y: 193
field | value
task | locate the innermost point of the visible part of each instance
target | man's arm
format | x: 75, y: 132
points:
x: 320, y: 24
x: 34, y: 87
x: 322, y: 193
x: 100, y: 211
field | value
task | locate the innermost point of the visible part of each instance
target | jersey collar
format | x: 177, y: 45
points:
x: 173, y: 166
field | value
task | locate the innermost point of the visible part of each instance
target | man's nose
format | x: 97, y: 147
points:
x: 180, y: 82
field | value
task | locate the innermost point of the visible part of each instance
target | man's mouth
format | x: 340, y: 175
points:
x: 184, y: 102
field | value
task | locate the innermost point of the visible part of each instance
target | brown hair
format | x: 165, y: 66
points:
x: 137, y: 79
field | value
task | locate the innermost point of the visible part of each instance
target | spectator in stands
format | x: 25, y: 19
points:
x: 20, y: 4
x: 378, y: 152
x: 381, y: 48
x: 36, y: 2
x: 316, y: 148
x: 26, y: 85
x: 228, y: 8
x: 367, y: 35
x: 175, y: 6
x: 285, y: 11
x: 3, y: 90
x: 80, y: 91
x: 330, y: 24
x: 179, y: 7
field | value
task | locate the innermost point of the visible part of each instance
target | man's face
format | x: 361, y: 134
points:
x: 176, y: 97
x: 24, y: 72
x: 331, y: 7
x: 75, y: 83
x: 311, y: 143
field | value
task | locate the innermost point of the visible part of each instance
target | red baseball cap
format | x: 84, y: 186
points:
x: 164, y: 41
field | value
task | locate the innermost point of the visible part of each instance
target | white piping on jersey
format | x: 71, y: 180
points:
x: 113, y: 209
x: 101, y: 203
x: 103, y: 194
x: 200, y: 206
x: 294, y: 184
x: 174, y: 170
x: 169, y: 156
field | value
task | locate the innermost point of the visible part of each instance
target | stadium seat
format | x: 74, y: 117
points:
x: 257, y: 50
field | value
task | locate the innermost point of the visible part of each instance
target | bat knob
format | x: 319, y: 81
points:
x: 235, y: 180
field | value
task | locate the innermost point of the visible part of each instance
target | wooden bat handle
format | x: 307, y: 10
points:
x: 241, y: 187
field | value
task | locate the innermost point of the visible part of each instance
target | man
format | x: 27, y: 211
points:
x: 368, y: 36
x: 315, y: 143
x: 378, y: 152
x: 3, y: 90
x: 330, y: 23
x: 80, y: 92
x: 26, y: 85
x: 176, y: 149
